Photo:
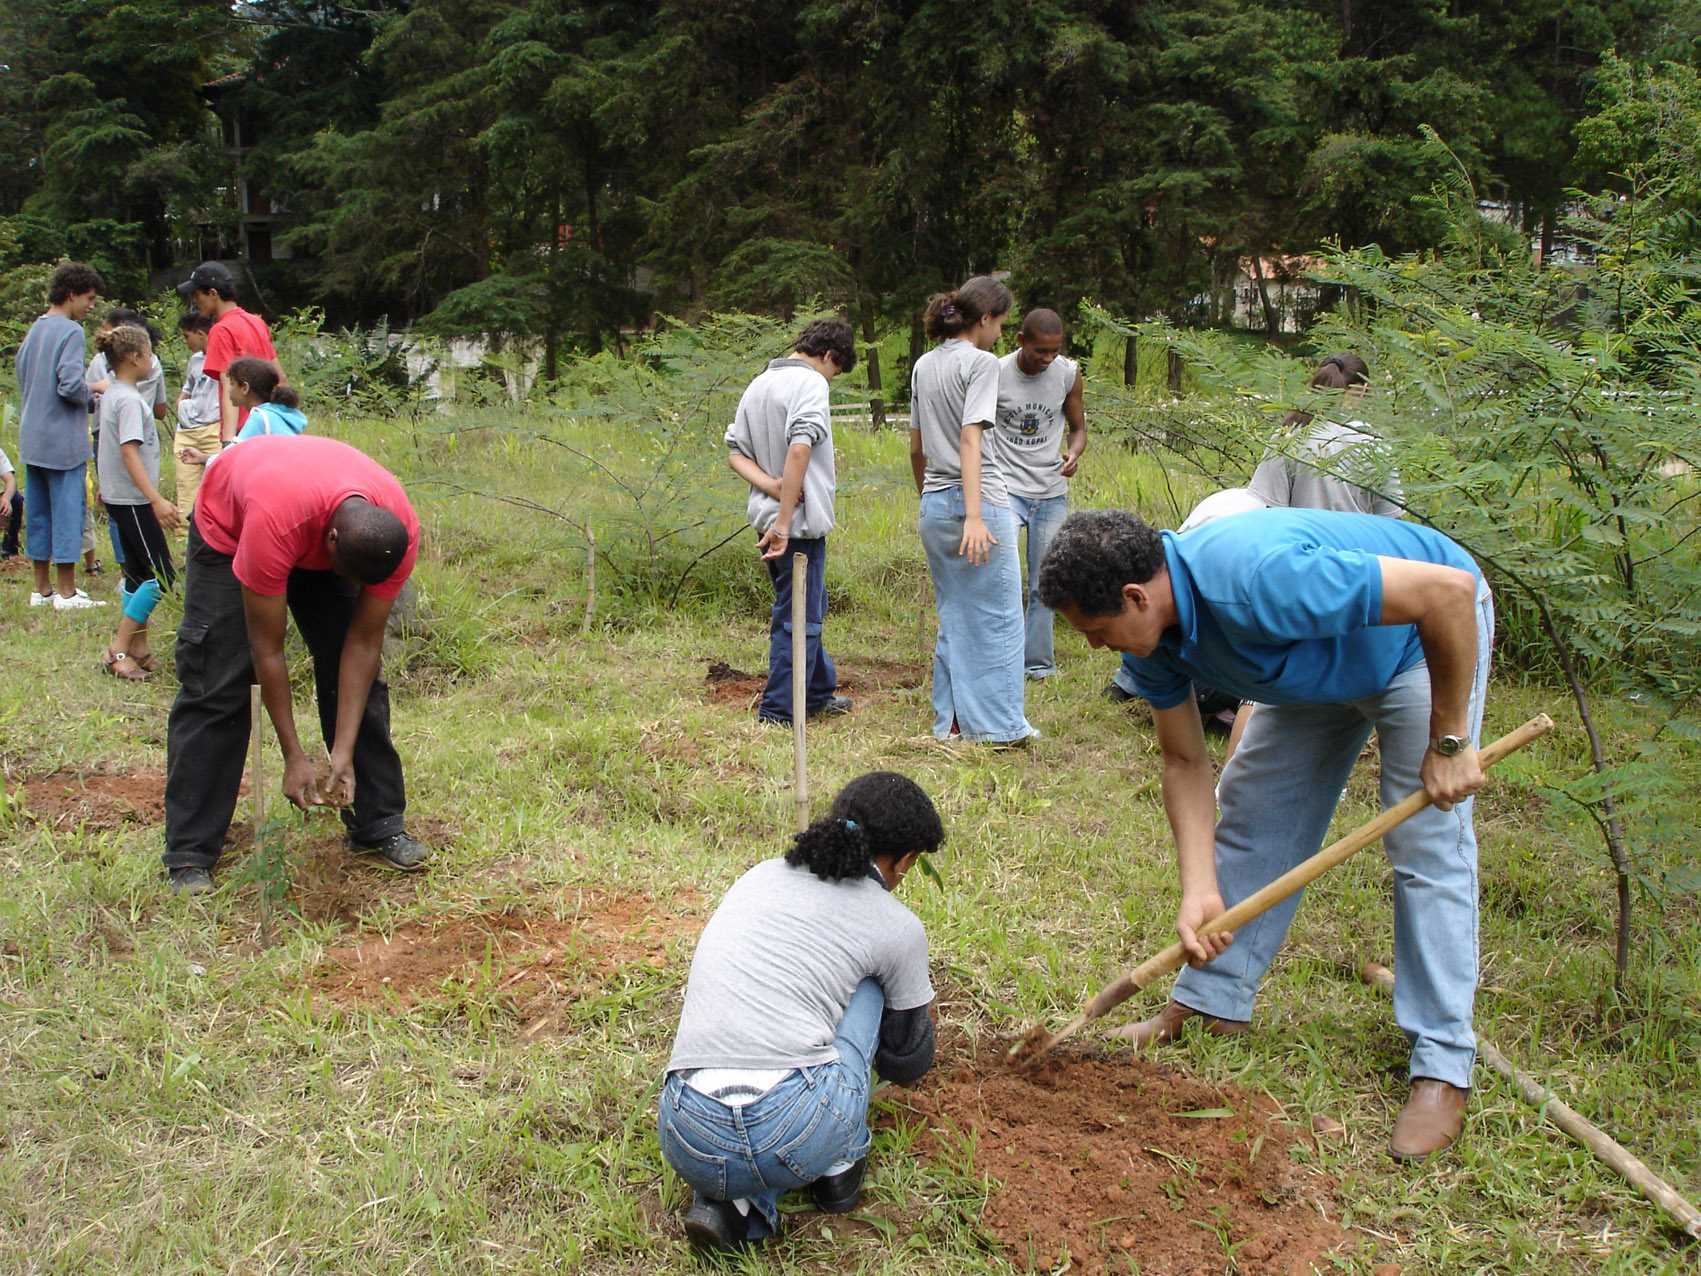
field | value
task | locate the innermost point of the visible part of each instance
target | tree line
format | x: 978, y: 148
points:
x: 562, y: 169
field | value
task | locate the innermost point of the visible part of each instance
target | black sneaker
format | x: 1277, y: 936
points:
x: 839, y: 1193
x: 712, y: 1225
x: 398, y: 850
x: 191, y: 881
x: 1116, y: 695
x: 837, y: 707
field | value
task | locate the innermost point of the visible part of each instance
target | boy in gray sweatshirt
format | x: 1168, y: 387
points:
x: 781, y: 443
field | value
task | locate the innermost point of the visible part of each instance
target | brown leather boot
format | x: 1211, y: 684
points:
x: 1430, y: 1121
x: 1166, y: 1026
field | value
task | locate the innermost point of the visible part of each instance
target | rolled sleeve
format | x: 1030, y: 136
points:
x: 808, y: 413
x: 737, y: 437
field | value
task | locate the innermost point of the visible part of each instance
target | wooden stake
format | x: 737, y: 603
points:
x: 1036, y: 1043
x: 590, y: 579
x: 799, y: 678
x: 1579, y: 1127
x: 257, y: 784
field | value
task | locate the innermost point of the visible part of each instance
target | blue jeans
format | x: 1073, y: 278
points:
x: 1124, y: 675
x: 54, y: 504
x: 1042, y: 518
x: 1278, y: 794
x: 791, y: 1136
x: 820, y: 679
x: 977, y: 657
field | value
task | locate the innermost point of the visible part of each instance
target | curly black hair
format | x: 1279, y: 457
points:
x: 1096, y: 553
x: 829, y: 336
x: 881, y: 813
x: 72, y: 280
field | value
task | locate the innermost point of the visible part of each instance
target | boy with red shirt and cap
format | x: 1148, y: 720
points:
x: 316, y: 528
x: 236, y: 334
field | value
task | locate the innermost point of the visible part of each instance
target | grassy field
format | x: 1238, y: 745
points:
x: 181, y: 1095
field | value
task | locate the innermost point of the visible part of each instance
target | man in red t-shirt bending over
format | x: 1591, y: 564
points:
x: 317, y: 528
x: 236, y: 334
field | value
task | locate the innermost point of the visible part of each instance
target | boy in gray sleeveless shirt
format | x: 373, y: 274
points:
x: 1039, y: 392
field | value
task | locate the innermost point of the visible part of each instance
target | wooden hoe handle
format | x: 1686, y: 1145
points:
x: 1170, y: 959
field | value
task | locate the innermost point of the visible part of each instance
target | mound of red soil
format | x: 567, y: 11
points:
x: 1101, y: 1165
x: 95, y: 800
x: 535, y: 963
x: 727, y: 685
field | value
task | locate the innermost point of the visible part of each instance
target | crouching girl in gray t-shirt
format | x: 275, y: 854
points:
x: 809, y: 973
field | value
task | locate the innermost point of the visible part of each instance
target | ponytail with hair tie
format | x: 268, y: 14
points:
x: 892, y: 816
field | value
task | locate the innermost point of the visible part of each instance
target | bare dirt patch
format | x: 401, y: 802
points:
x: 95, y: 800
x: 866, y: 677
x: 333, y: 884
x: 726, y: 685
x: 533, y: 962
x: 1111, y: 1163
x: 330, y: 883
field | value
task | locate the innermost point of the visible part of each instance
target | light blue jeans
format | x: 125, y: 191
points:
x: 1042, y: 518
x: 1278, y: 794
x: 977, y: 658
x: 786, y: 1139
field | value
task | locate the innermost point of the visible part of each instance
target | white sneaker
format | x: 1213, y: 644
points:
x: 78, y: 601
x: 39, y: 600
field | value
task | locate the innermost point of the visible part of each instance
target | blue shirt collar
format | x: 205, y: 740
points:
x: 1185, y: 632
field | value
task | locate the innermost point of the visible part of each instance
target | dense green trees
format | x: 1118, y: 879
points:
x: 560, y: 168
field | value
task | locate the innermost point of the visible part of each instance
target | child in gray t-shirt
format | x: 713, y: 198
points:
x: 128, y: 460
x: 809, y: 973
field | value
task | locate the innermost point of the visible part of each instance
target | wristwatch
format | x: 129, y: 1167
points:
x: 1448, y: 745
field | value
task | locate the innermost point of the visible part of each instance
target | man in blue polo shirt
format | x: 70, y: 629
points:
x: 1341, y: 624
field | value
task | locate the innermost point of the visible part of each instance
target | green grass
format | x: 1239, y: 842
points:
x: 176, y: 1098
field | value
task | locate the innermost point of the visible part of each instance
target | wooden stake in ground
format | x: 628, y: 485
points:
x: 590, y: 579
x: 257, y: 791
x: 257, y: 786
x: 1579, y: 1127
x: 1036, y: 1043
x: 799, y: 677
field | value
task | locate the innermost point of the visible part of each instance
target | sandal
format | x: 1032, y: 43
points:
x: 112, y: 663
x: 145, y: 663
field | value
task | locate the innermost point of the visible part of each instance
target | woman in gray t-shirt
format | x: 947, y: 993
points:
x: 809, y: 973
x: 966, y: 524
